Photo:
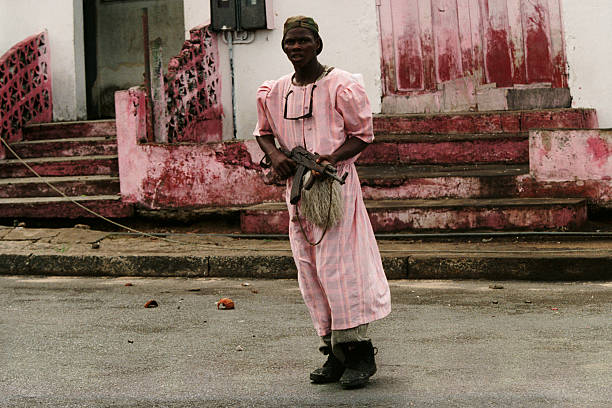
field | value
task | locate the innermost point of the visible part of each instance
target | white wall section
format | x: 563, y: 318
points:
x: 588, y: 34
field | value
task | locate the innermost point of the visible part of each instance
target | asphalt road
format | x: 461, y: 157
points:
x: 74, y: 342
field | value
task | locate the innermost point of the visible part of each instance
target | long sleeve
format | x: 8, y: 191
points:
x: 353, y: 104
x: 264, y: 126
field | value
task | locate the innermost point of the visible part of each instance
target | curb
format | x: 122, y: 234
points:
x: 264, y: 267
x: 542, y: 268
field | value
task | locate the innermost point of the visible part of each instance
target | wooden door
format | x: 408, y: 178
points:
x: 427, y: 43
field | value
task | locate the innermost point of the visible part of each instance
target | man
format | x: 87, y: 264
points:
x: 326, y: 111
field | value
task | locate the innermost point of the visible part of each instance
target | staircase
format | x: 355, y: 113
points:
x: 78, y: 158
x: 452, y: 172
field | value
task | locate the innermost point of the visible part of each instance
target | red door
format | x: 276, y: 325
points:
x: 427, y: 43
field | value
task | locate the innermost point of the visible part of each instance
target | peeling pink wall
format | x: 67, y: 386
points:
x: 25, y: 87
x: 185, y: 174
x: 568, y: 155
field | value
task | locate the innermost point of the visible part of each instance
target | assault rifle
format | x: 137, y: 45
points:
x: 308, y: 161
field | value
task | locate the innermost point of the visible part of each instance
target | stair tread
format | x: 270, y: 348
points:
x: 442, y: 203
x: 58, y: 159
x: 67, y: 140
x: 56, y: 179
x: 483, y: 113
x: 429, y: 171
x: 43, y: 200
x: 67, y: 123
x: 449, y: 137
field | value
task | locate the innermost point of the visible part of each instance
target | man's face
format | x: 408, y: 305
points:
x: 300, y: 46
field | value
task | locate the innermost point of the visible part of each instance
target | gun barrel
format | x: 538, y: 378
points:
x: 334, y: 176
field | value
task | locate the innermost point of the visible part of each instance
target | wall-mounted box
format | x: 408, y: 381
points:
x: 241, y: 15
x: 223, y: 15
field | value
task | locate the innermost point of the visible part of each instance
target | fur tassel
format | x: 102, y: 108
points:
x: 314, y: 205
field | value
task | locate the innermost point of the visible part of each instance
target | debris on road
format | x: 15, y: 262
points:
x: 151, y: 303
x: 239, y: 348
x: 246, y: 284
x: 495, y: 286
x: 129, y: 284
x: 193, y: 290
x: 254, y: 291
x: 225, y: 303
x: 95, y: 245
x: 82, y: 226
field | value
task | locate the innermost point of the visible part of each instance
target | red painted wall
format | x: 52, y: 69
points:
x: 426, y: 43
x: 186, y: 174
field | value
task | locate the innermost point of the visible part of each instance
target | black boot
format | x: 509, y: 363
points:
x: 359, y: 363
x: 330, y: 372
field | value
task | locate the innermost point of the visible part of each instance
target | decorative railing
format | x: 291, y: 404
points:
x: 25, y: 86
x: 192, y: 89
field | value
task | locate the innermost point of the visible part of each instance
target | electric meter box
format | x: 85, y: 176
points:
x: 223, y: 15
x: 241, y: 15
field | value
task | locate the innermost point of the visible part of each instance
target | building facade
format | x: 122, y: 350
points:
x: 414, y: 55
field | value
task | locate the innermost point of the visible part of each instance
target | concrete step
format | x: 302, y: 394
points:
x: 69, y: 185
x: 445, y: 214
x: 380, y: 182
x: 447, y: 149
x: 486, y: 122
x: 82, y: 146
x: 65, y: 130
x: 61, y: 166
x: 434, y: 182
x: 29, y: 251
x: 61, y: 207
x: 390, y: 175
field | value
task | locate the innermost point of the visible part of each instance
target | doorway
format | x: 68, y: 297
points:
x: 114, y: 56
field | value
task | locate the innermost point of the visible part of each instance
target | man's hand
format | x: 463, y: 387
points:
x: 283, y: 165
x: 324, y: 160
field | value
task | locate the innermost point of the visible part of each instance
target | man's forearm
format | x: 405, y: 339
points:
x: 266, y: 144
x: 350, y: 148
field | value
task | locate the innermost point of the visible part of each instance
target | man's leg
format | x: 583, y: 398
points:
x: 332, y: 369
x: 354, y: 349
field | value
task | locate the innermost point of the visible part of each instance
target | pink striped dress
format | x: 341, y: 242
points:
x: 341, y: 279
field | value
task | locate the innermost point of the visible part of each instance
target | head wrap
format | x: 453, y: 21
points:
x: 303, y: 22
x: 300, y: 21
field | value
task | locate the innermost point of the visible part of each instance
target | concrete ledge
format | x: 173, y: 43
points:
x: 69, y: 252
x: 515, y: 268
x: 265, y: 266
x: 93, y: 265
x: 539, y: 98
x: 548, y: 268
